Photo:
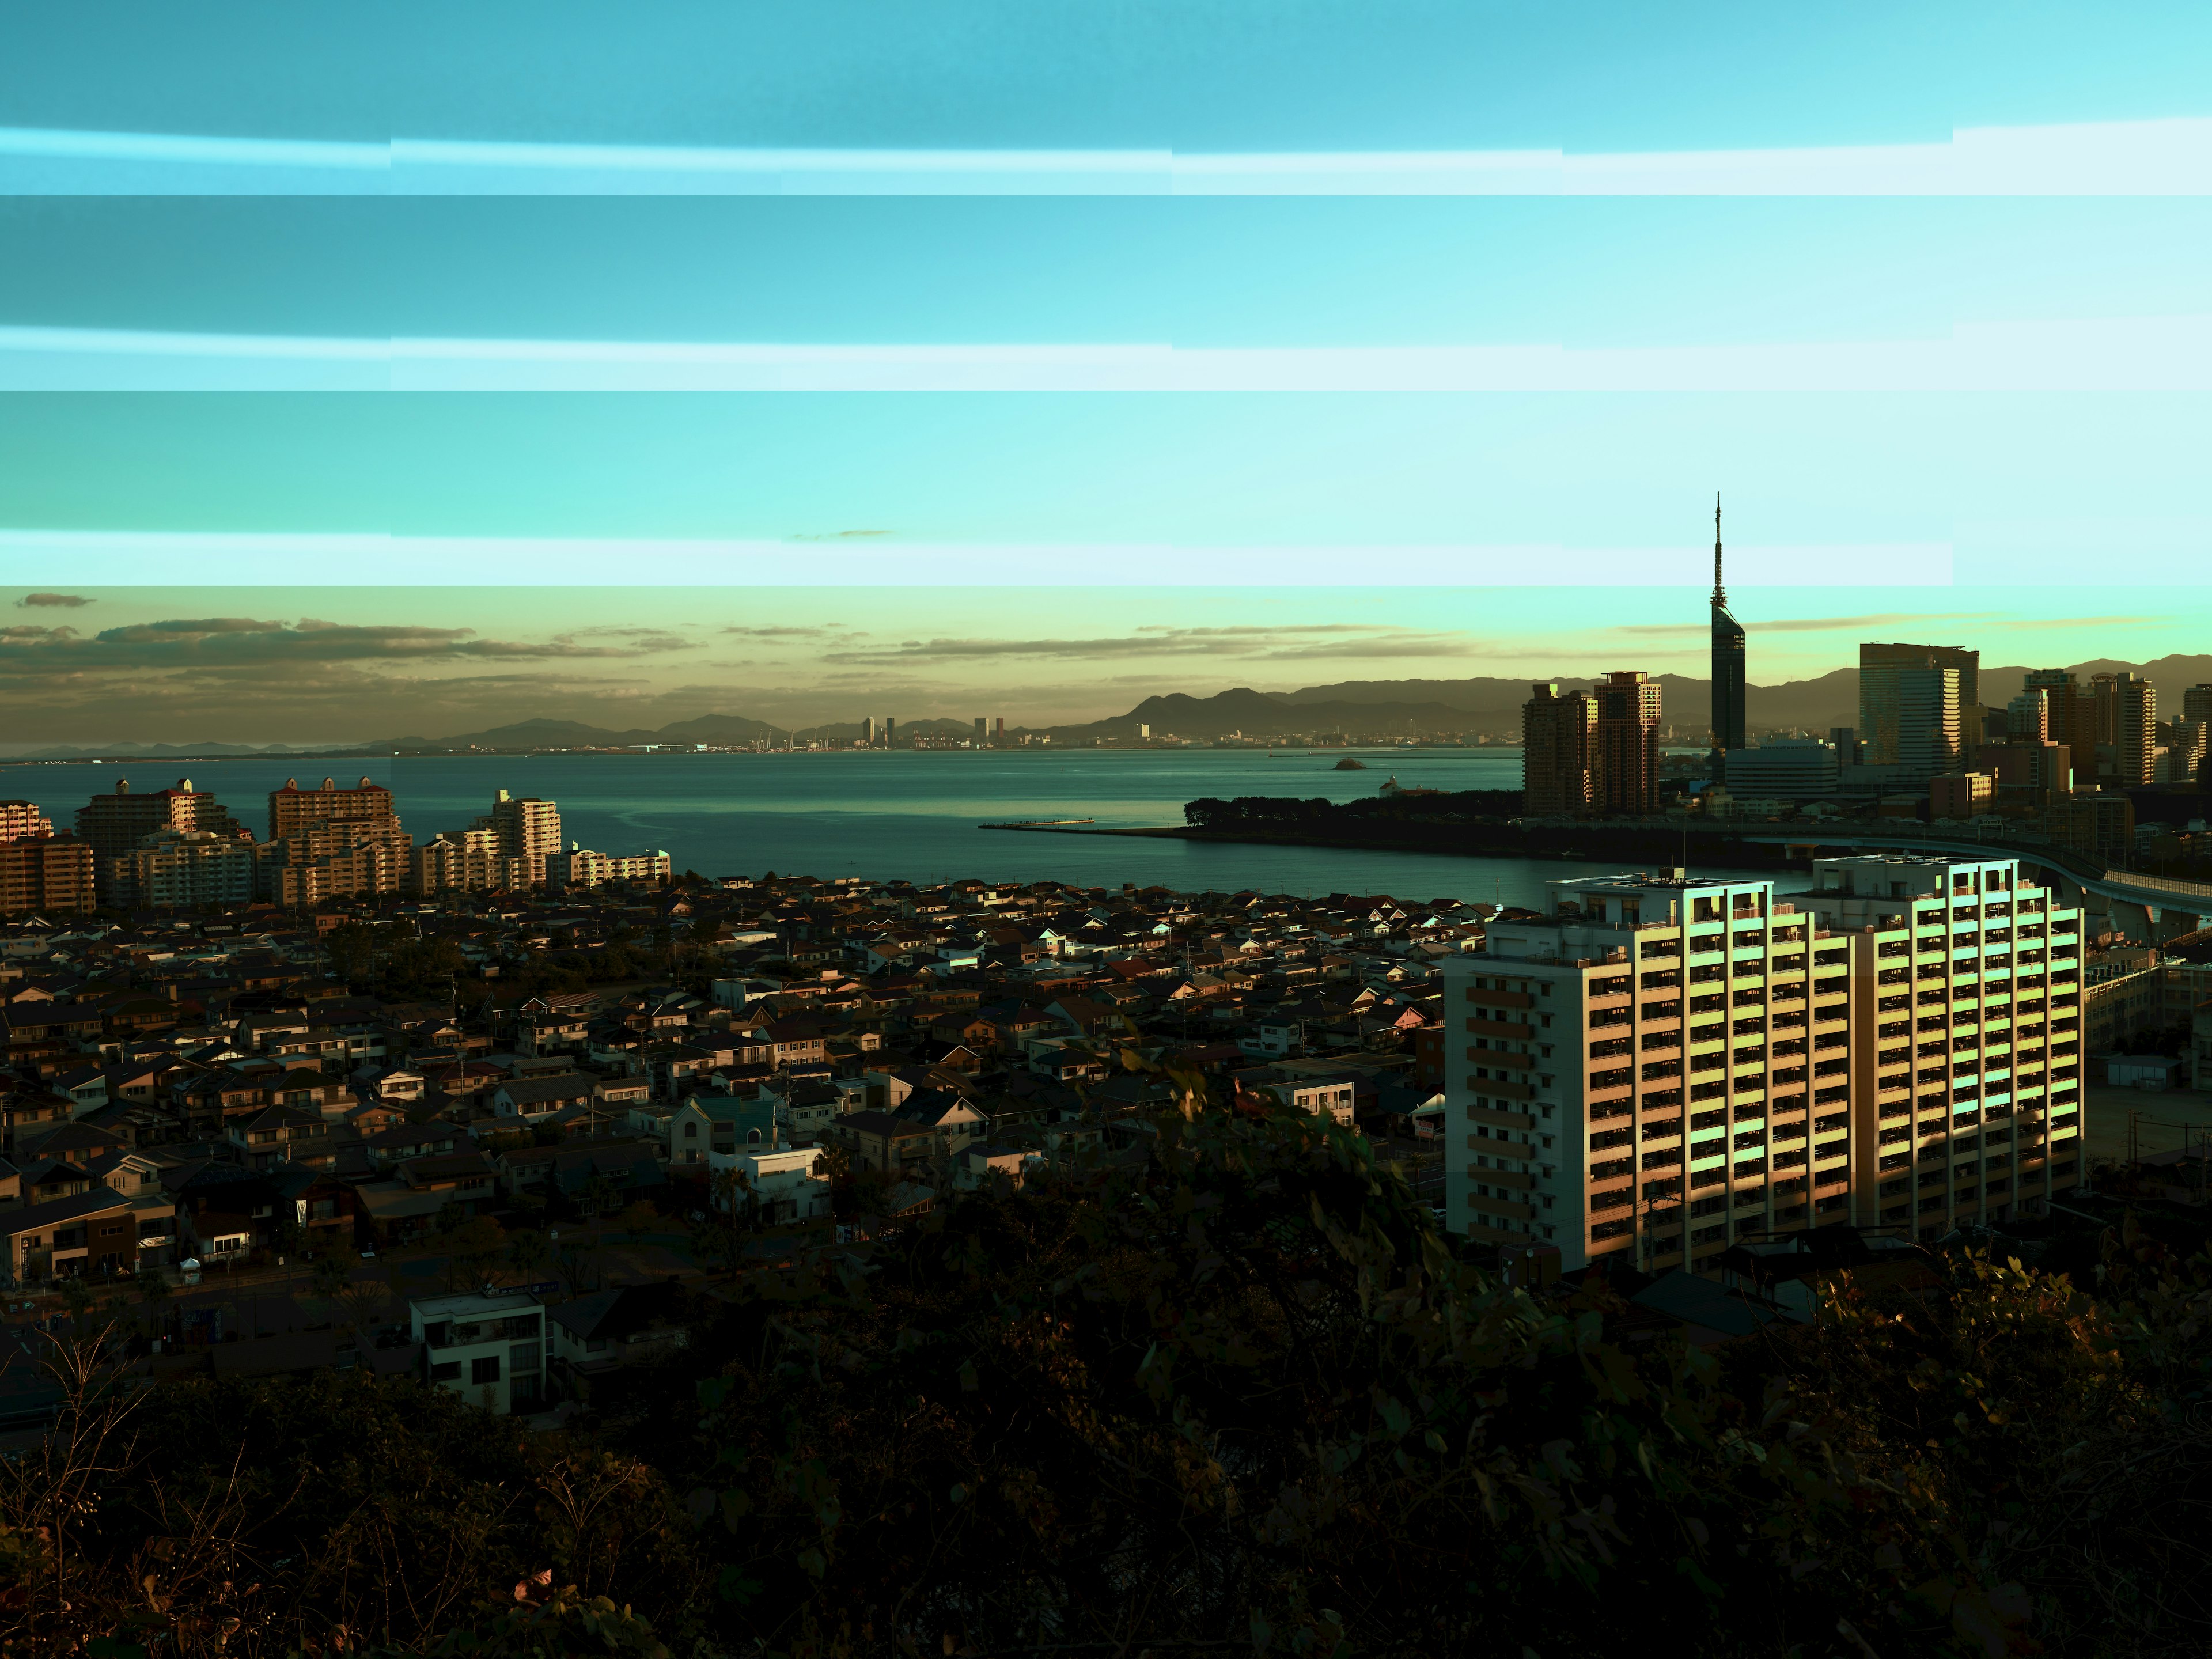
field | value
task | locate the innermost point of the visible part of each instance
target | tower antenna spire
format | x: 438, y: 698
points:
x: 1720, y: 593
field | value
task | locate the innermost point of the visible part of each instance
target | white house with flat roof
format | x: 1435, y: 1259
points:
x: 487, y: 1348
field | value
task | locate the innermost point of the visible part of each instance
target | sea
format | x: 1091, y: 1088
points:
x: 890, y: 815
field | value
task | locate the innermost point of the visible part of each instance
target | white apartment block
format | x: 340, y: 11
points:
x: 1966, y: 989
x: 487, y: 1348
x: 1660, y: 1065
x: 1652, y: 1067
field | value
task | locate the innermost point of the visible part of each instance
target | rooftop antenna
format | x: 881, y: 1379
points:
x: 1720, y: 593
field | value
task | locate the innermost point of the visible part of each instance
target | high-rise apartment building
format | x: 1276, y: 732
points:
x: 39, y: 874
x: 528, y: 829
x: 981, y: 736
x: 114, y: 824
x: 1967, y: 1049
x: 174, y: 868
x: 1726, y: 658
x: 999, y: 729
x: 292, y: 809
x: 21, y: 818
x: 1660, y: 1065
x: 1911, y: 697
x: 1556, y: 734
x: 2029, y: 716
x: 1624, y: 740
x: 890, y: 730
x: 2196, y: 703
x: 868, y: 730
x: 2127, y: 720
x: 1655, y: 1065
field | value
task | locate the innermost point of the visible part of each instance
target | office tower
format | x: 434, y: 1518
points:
x: 292, y: 809
x: 1910, y: 698
x: 19, y: 818
x: 1000, y: 731
x: 868, y: 731
x: 890, y: 731
x: 1556, y: 735
x: 1727, y: 659
x: 1965, y: 991
x: 2196, y: 703
x: 1783, y: 769
x: 1624, y: 754
x: 112, y: 825
x: 1657, y: 1064
x: 1848, y: 750
x: 980, y: 737
x: 43, y: 873
x: 2127, y: 720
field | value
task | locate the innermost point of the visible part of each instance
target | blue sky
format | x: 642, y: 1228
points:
x: 1453, y: 314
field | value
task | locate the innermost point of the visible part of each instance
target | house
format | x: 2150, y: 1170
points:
x: 591, y: 1336
x: 778, y: 1185
x: 600, y: 1177
x: 1316, y: 1096
x: 720, y: 1123
x: 392, y: 1084
x: 977, y: 1166
x: 92, y: 1234
x: 529, y: 1097
x: 489, y: 1349
x: 883, y: 1140
x: 281, y: 1134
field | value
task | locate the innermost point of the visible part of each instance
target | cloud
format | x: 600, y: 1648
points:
x: 778, y: 633
x: 57, y: 601
x: 1810, y: 625
x: 1281, y: 644
x: 215, y: 643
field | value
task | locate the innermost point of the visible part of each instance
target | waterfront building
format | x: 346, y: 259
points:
x: 580, y: 866
x: 1624, y: 755
x: 292, y: 809
x: 1783, y: 769
x: 528, y: 828
x: 1728, y: 713
x: 1556, y: 740
x: 1965, y: 987
x: 981, y: 737
x: 19, y: 818
x: 114, y: 824
x: 463, y: 860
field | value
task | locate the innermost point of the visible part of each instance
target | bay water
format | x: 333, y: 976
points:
x: 892, y: 814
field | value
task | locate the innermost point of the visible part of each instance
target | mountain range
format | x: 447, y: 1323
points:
x: 1368, y: 706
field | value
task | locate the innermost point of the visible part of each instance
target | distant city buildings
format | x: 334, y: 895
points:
x: 1556, y: 735
x: 1912, y: 703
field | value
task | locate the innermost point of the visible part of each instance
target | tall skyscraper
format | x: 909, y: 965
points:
x: 981, y: 736
x: 1910, y: 701
x: 1728, y: 661
x: 868, y: 731
x: 2196, y: 703
x: 1625, y: 748
x: 1555, y: 751
x: 890, y: 730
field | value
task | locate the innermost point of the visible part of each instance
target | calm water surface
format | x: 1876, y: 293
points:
x: 890, y: 814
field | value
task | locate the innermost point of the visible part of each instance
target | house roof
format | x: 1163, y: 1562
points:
x: 60, y: 1212
x: 565, y: 1085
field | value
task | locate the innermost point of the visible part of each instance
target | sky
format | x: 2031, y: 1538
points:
x: 366, y: 368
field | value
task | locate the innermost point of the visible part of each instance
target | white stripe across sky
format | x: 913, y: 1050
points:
x: 104, y: 558
x: 2167, y: 157
x: 2167, y: 353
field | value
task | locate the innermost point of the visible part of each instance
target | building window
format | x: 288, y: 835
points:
x: 485, y: 1370
x: 448, y: 1371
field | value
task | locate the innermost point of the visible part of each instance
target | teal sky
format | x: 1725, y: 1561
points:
x: 1172, y: 317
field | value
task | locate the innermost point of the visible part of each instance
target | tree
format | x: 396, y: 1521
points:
x: 638, y: 1219
x: 470, y: 1249
x: 527, y: 1251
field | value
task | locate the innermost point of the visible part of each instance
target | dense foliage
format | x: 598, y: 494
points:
x: 1230, y: 1392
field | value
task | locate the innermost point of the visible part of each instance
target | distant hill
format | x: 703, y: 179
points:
x: 166, y: 752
